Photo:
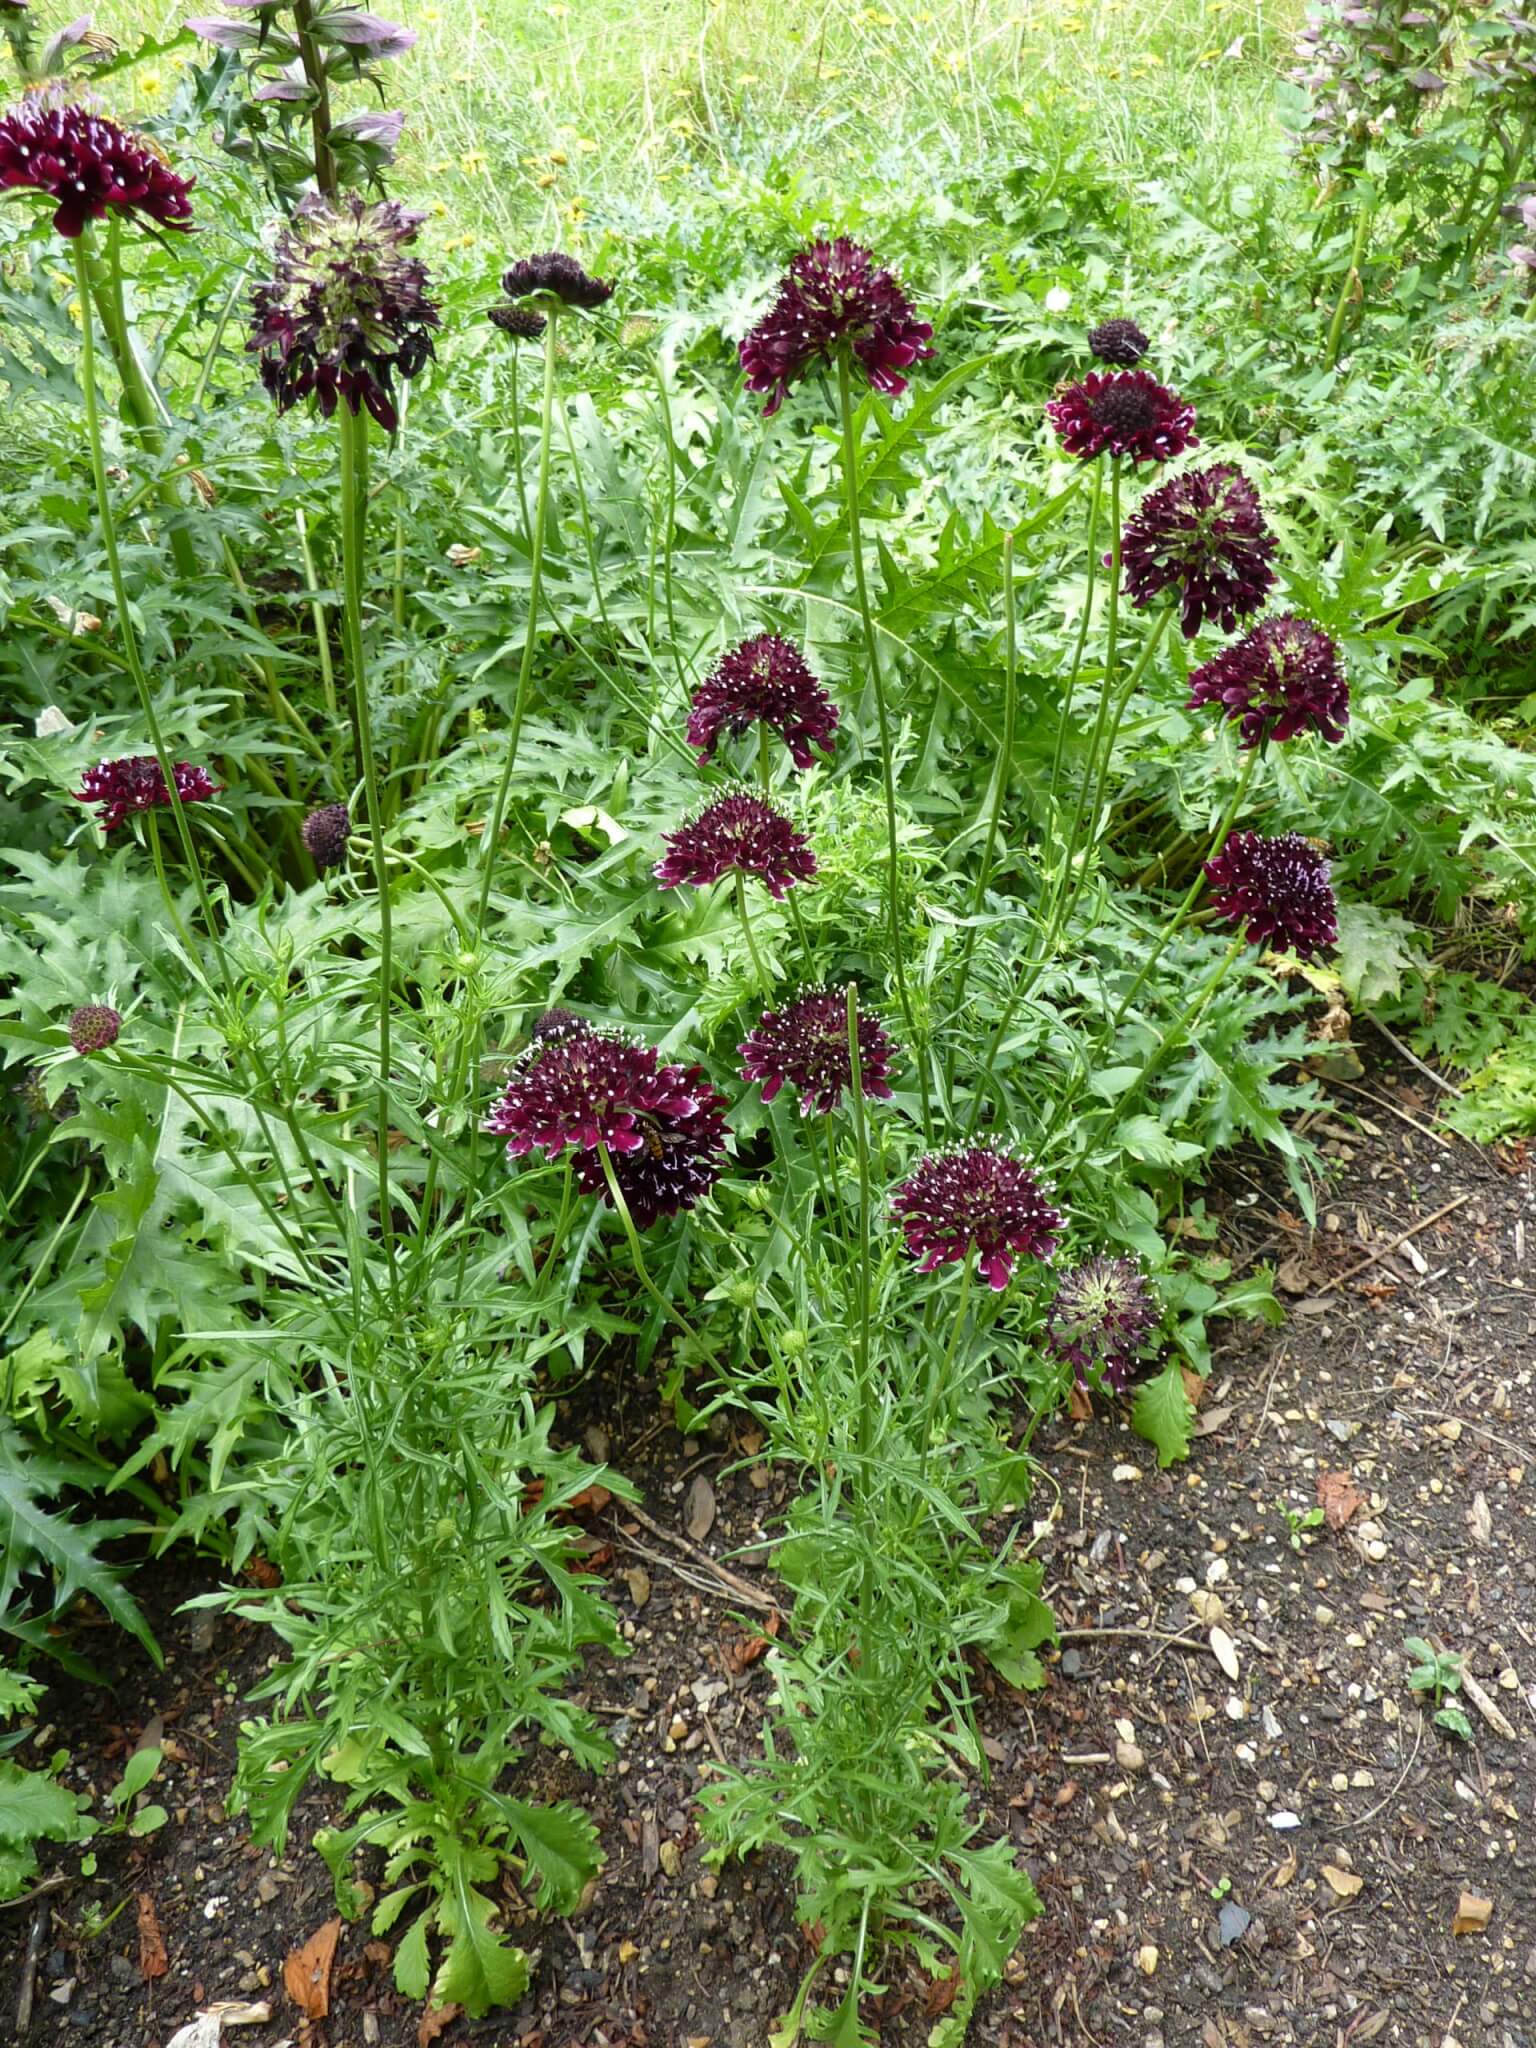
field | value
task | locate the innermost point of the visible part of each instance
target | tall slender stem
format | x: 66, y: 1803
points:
x: 763, y: 983
x: 313, y: 59
x: 1106, y: 694
x: 1363, y: 220
x: 354, y: 521
x: 861, y: 1146
x: 642, y: 1271
x: 850, y: 456
x: 1085, y: 619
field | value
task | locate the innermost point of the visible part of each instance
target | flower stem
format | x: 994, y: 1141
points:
x: 1073, y: 673
x: 938, y: 1379
x: 861, y: 1146
x: 1363, y: 219
x: 763, y: 983
x: 354, y: 520
x: 850, y: 459
x: 1106, y: 693
x: 642, y: 1271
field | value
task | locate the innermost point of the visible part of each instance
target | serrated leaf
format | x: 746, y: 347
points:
x: 413, y: 1966
x: 560, y: 1843
x: 480, y: 1969
x: 34, y: 1535
x: 1164, y: 1414
x: 35, y: 1807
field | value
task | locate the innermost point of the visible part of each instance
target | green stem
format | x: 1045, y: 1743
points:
x: 354, y: 518
x: 139, y: 398
x: 1363, y: 220
x: 1063, y: 879
x: 763, y: 983
x: 861, y: 1146
x: 938, y: 1379
x: 850, y: 459
x: 1084, y: 621
x: 642, y: 1271
x: 517, y: 447
x: 313, y: 60
x: 317, y: 613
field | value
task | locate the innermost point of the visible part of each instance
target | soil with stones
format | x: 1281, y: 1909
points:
x: 1245, y: 1827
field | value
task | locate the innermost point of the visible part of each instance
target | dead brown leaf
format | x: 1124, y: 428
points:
x: 1194, y: 1386
x: 1338, y: 1497
x: 1080, y: 1404
x: 153, y: 1960
x: 1472, y: 1914
x: 1344, y: 1884
x: 941, y: 1994
x: 433, y: 2021
x: 307, y: 1972
x: 590, y: 1500
x: 699, y: 1507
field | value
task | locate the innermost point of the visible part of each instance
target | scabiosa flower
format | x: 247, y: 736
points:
x: 977, y: 1200
x: 806, y: 1044
x: 1204, y: 535
x: 325, y: 833
x: 136, y: 783
x: 738, y: 833
x: 580, y: 1088
x: 557, y: 1023
x: 1122, y: 412
x: 834, y: 298
x: 561, y: 276
x: 763, y: 681
x: 93, y: 1027
x: 1118, y: 341
x: 88, y: 166
x: 521, y: 322
x: 1101, y: 1317
x: 1278, y: 890
x: 345, y: 307
x: 1281, y: 679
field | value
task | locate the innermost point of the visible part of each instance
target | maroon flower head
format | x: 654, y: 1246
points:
x: 1204, y: 535
x: 345, y: 309
x: 764, y: 681
x: 93, y: 1027
x: 977, y: 1200
x: 1281, y: 679
x: 1120, y: 342
x: 1122, y: 412
x: 88, y: 166
x: 558, y: 1023
x: 562, y: 277
x: 1278, y: 890
x: 135, y: 783
x: 661, y: 1125
x: 742, y: 834
x: 833, y: 298
x: 1101, y: 1318
x: 806, y: 1044
x: 521, y: 322
x: 325, y: 834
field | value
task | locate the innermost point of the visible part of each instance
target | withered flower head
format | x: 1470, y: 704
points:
x: 325, y: 833
x: 1120, y: 342
x: 1102, y: 1316
x: 520, y: 322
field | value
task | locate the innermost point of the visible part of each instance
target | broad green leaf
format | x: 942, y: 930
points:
x: 1164, y: 1414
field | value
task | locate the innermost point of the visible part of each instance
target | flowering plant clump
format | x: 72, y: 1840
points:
x: 561, y: 277
x: 325, y: 834
x: 1122, y: 412
x: 582, y: 1089
x: 806, y: 1044
x: 1118, y: 341
x: 88, y: 166
x: 1203, y: 535
x: 1278, y: 890
x: 1100, y: 1319
x: 136, y: 783
x: 764, y: 681
x: 345, y: 308
x: 1281, y: 679
x: 737, y: 834
x: 976, y: 1200
x: 834, y: 299
x: 93, y: 1027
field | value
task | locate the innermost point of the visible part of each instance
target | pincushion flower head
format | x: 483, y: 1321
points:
x: 579, y: 1089
x: 764, y: 681
x: 737, y: 834
x: 1122, y: 412
x: 557, y: 276
x: 1120, y: 342
x: 1282, y: 679
x: 1102, y: 1315
x: 806, y: 1044
x: 834, y: 300
x: 325, y: 833
x: 136, y: 783
x: 1203, y: 535
x: 521, y: 323
x: 977, y: 1200
x: 1278, y: 890
x: 345, y: 308
x: 88, y: 166
x: 93, y: 1027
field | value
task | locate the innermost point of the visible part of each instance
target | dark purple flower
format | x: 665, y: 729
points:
x: 661, y: 1125
x: 345, y: 309
x: 135, y: 783
x: 93, y: 1027
x: 1278, y: 890
x: 326, y: 832
x: 1120, y: 342
x: 1101, y: 1317
x: 763, y: 681
x: 521, y: 322
x: 1122, y: 412
x: 1202, y: 534
x: 562, y: 277
x: 833, y: 298
x: 88, y: 166
x: 739, y: 833
x: 557, y: 1023
x: 1281, y: 679
x: 806, y: 1044
x: 977, y: 1200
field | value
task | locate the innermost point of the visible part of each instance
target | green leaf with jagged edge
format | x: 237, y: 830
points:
x: 480, y: 1968
x: 35, y: 1536
x: 560, y: 1843
x: 413, y: 1965
x: 1164, y: 1414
